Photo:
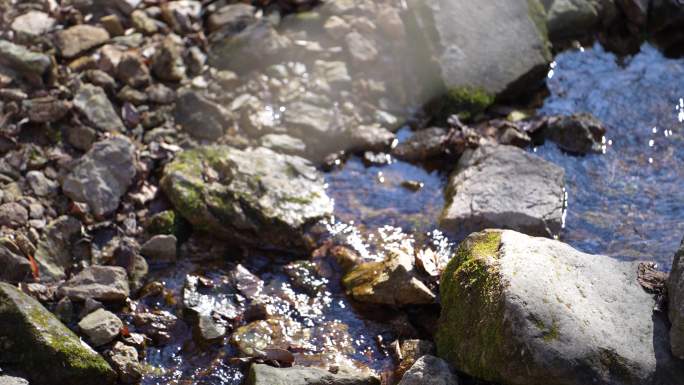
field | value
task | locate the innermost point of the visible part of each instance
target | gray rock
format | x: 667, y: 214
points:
x: 423, y: 145
x: 37, y: 344
x: 133, y: 71
x: 9, y: 380
x: 576, y: 134
x: 518, y: 310
x: 484, y: 46
x: 75, y: 40
x: 13, y: 215
x: 102, y: 176
x: 260, y: 374
x: 284, y: 144
x: 125, y: 361
x: 429, y: 370
x: 33, y: 23
x: 93, y: 103
x: 255, y: 196
x: 22, y: 60
x: 160, y: 248
x: 103, y: 283
x: 101, y: 327
x: 54, y: 253
x: 257, y: 45
x: 311, y: 119
x: 675, y: 291
x: 210, y: 308
x: 16, y: 267
x: 80, y: 136
x: 573, y: 18
x: 200, y: 117
x: 504, y: 187
x: 40, y: 184
x: 392, y: 281
x: 231, y: 19
x: 167, y: 62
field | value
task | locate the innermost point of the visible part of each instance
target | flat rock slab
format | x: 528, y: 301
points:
x: 253, y: 195
x: 267, y: 375
x: 102, y: 283
x: 36, y: 343
x: 484, y: 45
x: 519, y: 310
x: 504, y: 187
x: 76, y: 40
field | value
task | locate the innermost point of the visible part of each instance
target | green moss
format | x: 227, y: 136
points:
x: 468, y: 102
x: 359, y: 281
x: 471, y: 331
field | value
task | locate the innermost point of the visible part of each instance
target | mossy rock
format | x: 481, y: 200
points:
x: 34, y: 342
x: 255, y: 197
x: 520, y: 310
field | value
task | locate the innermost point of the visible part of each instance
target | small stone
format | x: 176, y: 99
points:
x: 200, y: 117
x: 65, y: 310
x: 103, y: 283
x: 429, y: 370
x: 112, y: 24
x: 231, y: 18
x: 143, y: 23
x: 160, y: 248
x: 260, y: 374
x: 361, y: 49
x: 337, y: 27
x: 45, y: 109
x: 124, y: 360
x: 80, y: 136
x: 102, y: 175
x: 9, y: 380
x: 101, y: 327
x: 133, y: 71
x: 20, y: 59
x: 13, y: 215
x: 54, y: 252
x: 93, y: 103
x: 16, y: 267
x: 33, y: 23
x: 80, y: 38
x: 134, y: 97
x: 160, y: 94
x: 576, y: 134
x: 40, y: 184
x: 167, y: 63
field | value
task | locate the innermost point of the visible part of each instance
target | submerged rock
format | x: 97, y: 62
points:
x: 675, y: 290
x: 392, y: 281
x: 576, y: 134
x: 429, y: 370
x: 36, y: 343
x: 505, y: 187
x: 519, y: 310
x: 260, y: 374
x: 484, y: 47
x: 102, y: 175
x: 253, y: 196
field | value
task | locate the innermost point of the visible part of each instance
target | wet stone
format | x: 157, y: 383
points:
x: 100, y: 326
x: 576, y: 134
x: 429, y: 370
x: 260, y: 374
x: 160, y: 248
x: 124, y: 360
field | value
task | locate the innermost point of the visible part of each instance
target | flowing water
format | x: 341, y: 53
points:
x: 627, y: 202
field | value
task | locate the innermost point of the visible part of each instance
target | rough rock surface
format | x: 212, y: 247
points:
x: 519, y: 310
x: 93, y: 103
x: 160, y: 248
x: 124, y: 359
x: 429, y: 370
x: 572, y: 18
x: 101, y: 327
x: 504, y: 187
x: 22, y: 60
x: 576, y: 134
x: 675, y: 290
x: 16, y: 267
x: 249, y: 195
x: 102, y: 175
x: 54, y: 254
x: 260, y: 374
x: 485, y: 45
x: 103, y: 283
x: 80, y: 38
x: 35, y: 342
x: 200, y: 117
x: 392, y: 281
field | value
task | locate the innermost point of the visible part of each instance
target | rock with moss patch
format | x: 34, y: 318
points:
x: 483, y: 47
x: 254, y: 196
x: 577, y: 18
x: 518, y: 310
x: 392, y: 281
x: 505, y: 187
x: 34, y: 342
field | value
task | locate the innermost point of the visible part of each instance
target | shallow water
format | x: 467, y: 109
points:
x: 629, y: 201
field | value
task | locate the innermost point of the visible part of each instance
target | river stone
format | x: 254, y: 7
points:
x: 33, y: 23
x: 200, y: 117
x: 260, y: 374
x: 102, y: 176
x: 75, y: 40
x: 392, y: 282
x: 572, y: 18
x: 253, y: 196
x: 9, y: 380
x: 54, y: 254
x: 101, y: 327
x: 429, y: 370
x: 160, y: 248
x: 504, y: 187
x: 103, y: 283
x: 519, y: 310
x: 13, y: 215
x: 486, y: 46
x: 16, y: 267
x: 93, y: 103
x: 124, y: 359
x: 34, y: 342
x: 22, y: 60
x: 577, y: 134
x: 675, y: 290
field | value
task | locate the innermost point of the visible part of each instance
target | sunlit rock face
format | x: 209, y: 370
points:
x: 518, y: 310
x: 255, y: 196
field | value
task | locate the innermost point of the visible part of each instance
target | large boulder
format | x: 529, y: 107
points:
x: 483, y: 47
x: 102, y: 176
x: 253, y: 196
x: 518, y: 310
x: 576, y: 18
x: 260, y: 374
x: 675, y: 290
x: 34, y: 342
x: 504, y: 187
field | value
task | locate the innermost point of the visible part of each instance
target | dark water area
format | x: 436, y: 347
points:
x: 629, y: 201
